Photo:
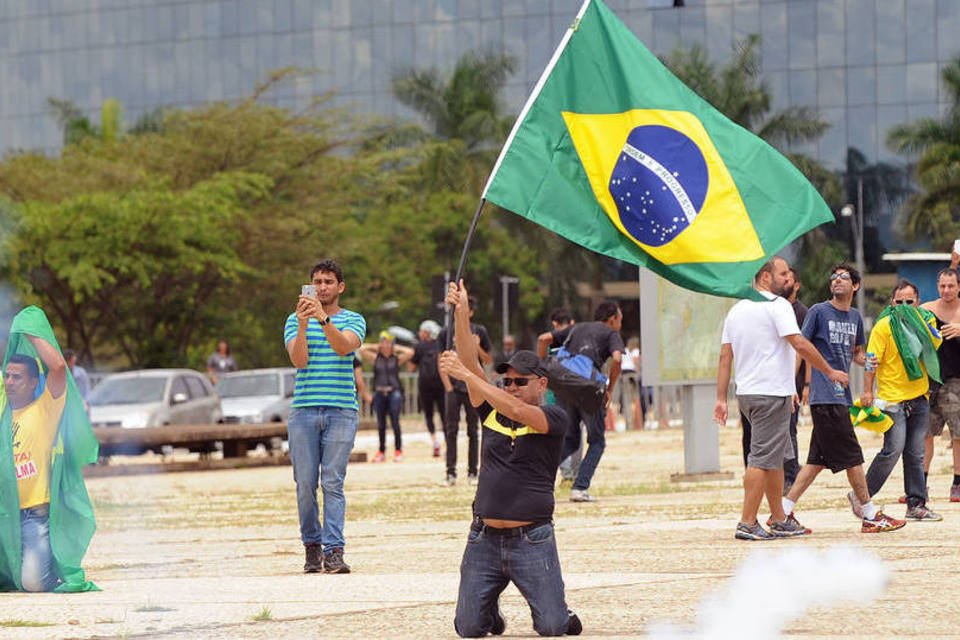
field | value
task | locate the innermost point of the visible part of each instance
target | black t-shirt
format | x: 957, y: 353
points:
x: 559, y: 337
x: 949, y: 355
x: 596, y: 340
x: 475, y: 329
x: 386, y: 373
x: 425, y: 355
x: 517, y: 474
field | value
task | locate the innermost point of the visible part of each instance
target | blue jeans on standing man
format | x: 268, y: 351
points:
x: 37, y: 570
x: 528, y: 557
x: 391, y: 402
x: 596, y: 442
x: 321, y: 439
x: 906, y: 436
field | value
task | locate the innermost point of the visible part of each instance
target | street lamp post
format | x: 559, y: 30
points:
x: 855, y: 213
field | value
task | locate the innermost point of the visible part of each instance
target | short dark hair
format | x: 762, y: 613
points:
x: 606, y: 310
x: 327, y: 265
x: 949, y: 271
x: 854, y: 274
x: 903, y: 283
x: 766, y: 268
x: 28, y: 362
x: 561, y: 315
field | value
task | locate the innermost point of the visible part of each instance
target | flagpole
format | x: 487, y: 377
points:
x: 463, y: 262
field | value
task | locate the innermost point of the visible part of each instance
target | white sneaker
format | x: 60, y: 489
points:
x: 581, y: 495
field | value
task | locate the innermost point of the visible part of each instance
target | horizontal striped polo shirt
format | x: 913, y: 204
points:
x: 327, y: 381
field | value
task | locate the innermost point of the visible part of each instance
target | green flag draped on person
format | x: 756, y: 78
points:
x: 69, y: 445
x: 615, y: 153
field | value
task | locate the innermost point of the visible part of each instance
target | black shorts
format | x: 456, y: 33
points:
x: 833, y: 443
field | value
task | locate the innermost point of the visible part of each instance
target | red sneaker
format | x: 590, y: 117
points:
x: 379, y: 457
x: 881, y: 523
x: 902, y: 499
x: 398, y: 456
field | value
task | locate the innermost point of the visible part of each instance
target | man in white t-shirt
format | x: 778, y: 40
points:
x: 763, y: 336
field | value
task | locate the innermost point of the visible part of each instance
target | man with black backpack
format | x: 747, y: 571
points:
x: 599, y: 341
x: 429, y: 385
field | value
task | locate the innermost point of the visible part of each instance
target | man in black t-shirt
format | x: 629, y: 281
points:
x: 511, y: 538
x: 429, y: 385
x: 598, y: 340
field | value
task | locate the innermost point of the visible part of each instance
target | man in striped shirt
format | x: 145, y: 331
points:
x: 321, y: 338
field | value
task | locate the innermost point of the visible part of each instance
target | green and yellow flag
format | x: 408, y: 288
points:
x: 71, y: 513
x: 613, y: 152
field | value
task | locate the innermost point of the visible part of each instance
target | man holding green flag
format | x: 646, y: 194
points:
x: 46, y: 519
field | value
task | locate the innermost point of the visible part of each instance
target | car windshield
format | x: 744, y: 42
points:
x: 127, y: 391
x: 262, y: 384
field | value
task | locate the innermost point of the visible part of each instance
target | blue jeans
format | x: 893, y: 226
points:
x: 383, y: 402
x: 492, y: 560
x: 321, y: 439
x: 596, y: 442
x: 37, y: 571
x: 906, y: 436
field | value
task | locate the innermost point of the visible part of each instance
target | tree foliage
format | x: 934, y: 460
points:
x: 934, y: 210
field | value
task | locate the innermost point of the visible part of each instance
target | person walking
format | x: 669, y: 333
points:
x: 762, y: 337
x: 904, y: 341
x: 220, y: 361
x: 836, y: 330
x: 945, y: 397
x: 599, y: 340
x: 511, y: 537
x: 429, y: 384
x: 321, y: 338
x: 387, y: 358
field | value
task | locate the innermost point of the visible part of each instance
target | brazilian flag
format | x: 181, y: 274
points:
x: 71, y: 514
x: 613, y: 152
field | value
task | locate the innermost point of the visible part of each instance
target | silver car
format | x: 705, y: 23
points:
x: 257, y: 396
x: 153, y: 398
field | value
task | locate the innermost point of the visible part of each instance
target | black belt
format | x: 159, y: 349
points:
x: 511, y: 532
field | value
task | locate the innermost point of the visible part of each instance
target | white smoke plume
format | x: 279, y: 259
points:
x: 772, y: 588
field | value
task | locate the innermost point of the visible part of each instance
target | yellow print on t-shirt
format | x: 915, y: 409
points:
x: 34, y: 432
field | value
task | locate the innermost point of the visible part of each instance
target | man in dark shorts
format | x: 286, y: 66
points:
x: 836, y: 330
x: 511, y: 538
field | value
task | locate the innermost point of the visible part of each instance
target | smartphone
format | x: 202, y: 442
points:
x: 308, y: 290
x: 956, y: 246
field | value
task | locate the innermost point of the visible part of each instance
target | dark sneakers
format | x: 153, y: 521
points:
x: 574, y: 627
x: 333, y: 562
x: 499, y: 624
x: 314, y: 561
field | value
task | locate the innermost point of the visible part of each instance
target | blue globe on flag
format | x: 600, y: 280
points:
x: 659, y: 184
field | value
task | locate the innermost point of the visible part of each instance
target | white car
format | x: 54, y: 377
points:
x: 153, y: 398
x: 256, y: 396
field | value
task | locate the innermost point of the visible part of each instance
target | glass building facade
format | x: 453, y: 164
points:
x: 865, y: 64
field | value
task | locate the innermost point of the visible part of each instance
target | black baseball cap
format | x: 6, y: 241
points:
x: 523, y: 362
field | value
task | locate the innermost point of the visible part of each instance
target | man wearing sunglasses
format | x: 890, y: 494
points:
x: 511, y: 538
x: 904, y: 342
x: 836, y: 330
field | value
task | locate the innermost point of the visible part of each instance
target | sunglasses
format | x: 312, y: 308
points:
x: 908, y: 301
x: 520, y: 382
x: 840, y: 276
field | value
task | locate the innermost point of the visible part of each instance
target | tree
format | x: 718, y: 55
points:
x: 465, y: 117
x: 934, y: 210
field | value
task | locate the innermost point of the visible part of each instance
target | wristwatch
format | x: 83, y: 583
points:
x: 324, y: 321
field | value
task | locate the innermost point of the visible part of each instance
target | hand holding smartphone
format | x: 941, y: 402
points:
x: 309, y: 291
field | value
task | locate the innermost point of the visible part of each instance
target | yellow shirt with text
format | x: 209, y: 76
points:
x: 893, y: 385
x: 34, y: 432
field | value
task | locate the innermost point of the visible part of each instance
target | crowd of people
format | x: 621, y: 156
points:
x: 786, y: 354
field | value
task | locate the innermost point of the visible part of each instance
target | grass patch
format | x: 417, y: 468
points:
x: 25, y: 623
x: 265, y: 615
